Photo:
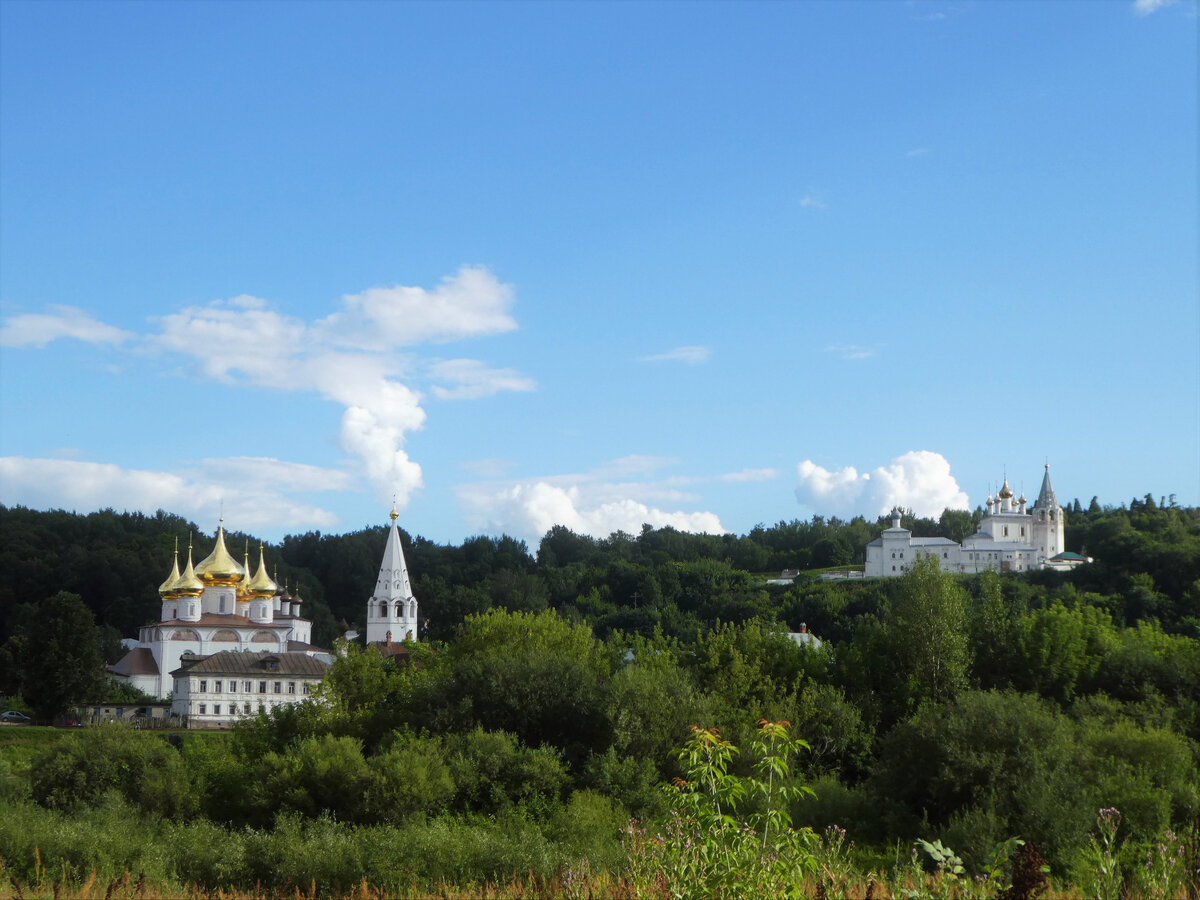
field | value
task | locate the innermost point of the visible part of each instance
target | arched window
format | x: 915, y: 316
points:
x: 399, y: 609
x: 383, y: 609
x: 412, y: 608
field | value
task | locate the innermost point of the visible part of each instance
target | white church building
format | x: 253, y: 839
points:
x: 231, y: 644
x: 1012, y: 537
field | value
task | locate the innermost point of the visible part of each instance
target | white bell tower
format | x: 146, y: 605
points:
x: 392, y: 609
x: 1048, y: 531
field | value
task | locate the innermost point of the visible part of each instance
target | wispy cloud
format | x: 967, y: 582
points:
x: 472, y: 380
x: 39, y: 329
x: 850, y: 351
x: 1145, y: 7
x: 812, y: 201
x: 917, y: 151
x: 747, y: 475
x: 253, y: 492
x: 691, y: 355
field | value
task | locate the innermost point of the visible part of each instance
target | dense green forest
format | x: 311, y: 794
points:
x: 552, y: 692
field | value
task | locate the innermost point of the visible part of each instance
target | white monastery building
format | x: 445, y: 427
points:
x: 231, y: 644
x: 1011, y: 538
x: 214, y: 607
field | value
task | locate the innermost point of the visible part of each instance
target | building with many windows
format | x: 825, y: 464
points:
x: 230, y: 643
x: 213, y: 691
x: 214, y: 607
x: 1012, y: 537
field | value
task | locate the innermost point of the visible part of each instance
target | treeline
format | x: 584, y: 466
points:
x: 1147, y: 560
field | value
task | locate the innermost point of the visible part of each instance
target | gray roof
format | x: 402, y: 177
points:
x: 246, y: 662
x: 933, y: 542
x: 1046, y: 496
x: 138, y: 661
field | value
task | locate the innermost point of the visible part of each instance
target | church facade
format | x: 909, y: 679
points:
x: 231, y: 644
x: 214, y: 607
x: 1012, y: 537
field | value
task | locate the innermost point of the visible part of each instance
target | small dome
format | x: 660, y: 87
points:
x: 219, y: 567
x: 1005, y: 491
x: 167, y: 587
x: 243, y: 588
x: 261, y: 586
x: 188, y: 584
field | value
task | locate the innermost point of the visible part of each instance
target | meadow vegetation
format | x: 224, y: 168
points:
x: 628, y: 717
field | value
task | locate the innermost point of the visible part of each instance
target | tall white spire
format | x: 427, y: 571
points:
x: 392, y: 609
x: 1046, y: 496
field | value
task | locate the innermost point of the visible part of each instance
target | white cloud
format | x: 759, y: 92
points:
x: 751, y: 475
x: 919, y: 480
x: 595, y: 503
x: 39, y: 329
x: 690, y: 355
x: 530, y: 509
x: 470, y: 303
x: 251, y: 493
x: 811, y: 201
x: 473, y: 380
x: 355, y: 357
x: 1145, y: 7
x: 850, y: 351
x: 917, y: 151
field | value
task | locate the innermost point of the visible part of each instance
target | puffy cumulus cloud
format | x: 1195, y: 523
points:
x: 592, y: 503
x: 252, y: 493
x: 471, y: 380
x: 530, y: 509
x: 470, y: 303
x: 693, y: 355
x: 39, y: 329
x: 357, y: 357
x: 919, y: 480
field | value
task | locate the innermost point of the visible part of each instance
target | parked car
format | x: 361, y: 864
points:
x: 12, y: 717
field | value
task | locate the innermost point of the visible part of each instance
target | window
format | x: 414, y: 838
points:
x: 1022, y: 531
x: 260, y: 706
x: 203, y: 686
x: 216, y: 709
x: 945, y: 554
x: 893, y: 568
x: 291, y: 687
x: 246, y: 688
x: 246, y: 707
x: 279, y: 687
x: 902, y: 554
x: 216, y: 687
x: 307, y: 688
x: 893, y: 554
x: 203, y: 709
x: 1006, y: 531
x: 262, y: 687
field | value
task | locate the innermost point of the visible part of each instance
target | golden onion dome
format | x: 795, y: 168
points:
x: 243, y: 588
x: 167, y: 587
x: 1006, y: 491
x: 261, y: 585
x: 188, y: 584
x: 219, y: 567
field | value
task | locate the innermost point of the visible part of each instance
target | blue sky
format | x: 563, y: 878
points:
x: 597, y: 264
